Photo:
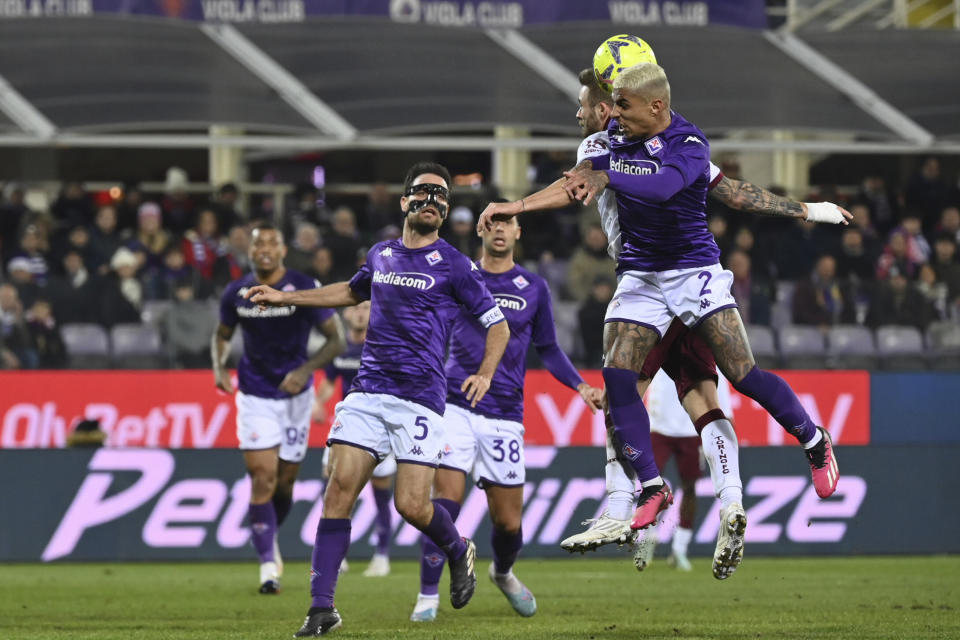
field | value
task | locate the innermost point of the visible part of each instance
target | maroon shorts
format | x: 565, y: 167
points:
x: 686, y: 451
x: 684, y: 356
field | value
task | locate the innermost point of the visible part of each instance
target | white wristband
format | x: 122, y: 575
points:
x: 823, y: 212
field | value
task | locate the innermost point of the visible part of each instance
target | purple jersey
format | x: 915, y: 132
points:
x: 275, y: 339
x: 524, y: 299
x: 672, y: 234
x: 415, y: 296
x: 346, y: 365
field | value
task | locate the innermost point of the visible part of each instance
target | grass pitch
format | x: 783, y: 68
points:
x: 578, y: 597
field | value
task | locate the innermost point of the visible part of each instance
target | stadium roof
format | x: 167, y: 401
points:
x: 370, y: 83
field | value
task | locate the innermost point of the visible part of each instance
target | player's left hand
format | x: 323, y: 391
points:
x: 827, y: 212
x: 294, y: 382
x: 584, y: 184
x: 485, y: 221
x: 264, y: 296
x: 591, y: 395
x: 476, y: 386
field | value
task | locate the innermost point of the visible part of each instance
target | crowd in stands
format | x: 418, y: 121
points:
x: 95, y: 259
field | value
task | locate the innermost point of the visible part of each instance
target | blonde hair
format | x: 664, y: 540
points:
x: 648, y: 79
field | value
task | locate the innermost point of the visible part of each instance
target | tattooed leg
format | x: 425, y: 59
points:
x: 626, y: 347
x: 724, y: 334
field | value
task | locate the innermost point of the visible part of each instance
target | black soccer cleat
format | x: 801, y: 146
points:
x: 463, y: 577
x: 270, y: 587
x: 319, y: 622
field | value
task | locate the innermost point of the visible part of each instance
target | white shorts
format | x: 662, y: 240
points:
x: 490, y: 447
x: 264, y: 423
x: 382, y: 424
x: 653, y: 298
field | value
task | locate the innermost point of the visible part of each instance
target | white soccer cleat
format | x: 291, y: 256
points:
x: 277, y: 558
x: 643, y: 551
x: 426, y: 608
x: 602, y: 530
x: 344, y: 566
x: 729, y: 551
x: 679, y: 561
x: 379, y: 566
x: 517, y: 593
x: 269, y: 578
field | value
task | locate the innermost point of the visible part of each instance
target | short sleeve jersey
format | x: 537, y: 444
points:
x: 274, y: 339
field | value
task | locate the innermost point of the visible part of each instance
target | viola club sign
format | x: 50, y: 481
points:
x: 144, y: 504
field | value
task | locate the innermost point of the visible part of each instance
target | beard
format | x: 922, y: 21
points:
x: 421, y: 226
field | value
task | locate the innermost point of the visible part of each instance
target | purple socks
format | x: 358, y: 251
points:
x: 329, y: 550
x: 631, y: 422
x: 506, y: 546
x: 384, y: 524
x: 779, y: 400
x: 263, y: 528
x: 432, y: 557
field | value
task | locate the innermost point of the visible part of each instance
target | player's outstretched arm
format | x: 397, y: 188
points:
x: 332, y: 329
x: 553, y: 196
x: 338, y: 294
x: 748, y: 197
x: 219, y: 352
x: 476, y: 386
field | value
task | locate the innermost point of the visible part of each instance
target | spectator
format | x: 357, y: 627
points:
x: 202, y: 247
x: 300, y: 251
x: 309, y: 208
x: 344, y: 243
x: 588, y: 262
x: 13, y: 211
x: 73, y: 207
x: 874, y: 195
x: 13, y: 328
x: 45, y: 339
x: 321, y: 266
x: 224, y: 204
x: 591, y: 315
x: 104, y: 238
x: 177, y: 206
x: 950, y: 223
x: 78, y: 239
x: 899, y: 303
x: 821, y: 300
x: 129, y: 207
x: 121, y: 296
x: 75, y: 294
x: 917, y: 245
x: 189, y: 325
x: 926, y: 191
x: 159, y: 285
x: 946, y: 266
x: 717, y: 224
x: 751, y: 293
x: 863, y: 222
x: 854, y: 261
x: 934, y: 292
x: 797, y: 249
x: 899, y: 255
x: 554, y: 271
x: 761, y: 264
x: 22, y: 278
x: 462, y: 232
x: 151, y: 241
x: 33, y: 248
x: 381, y: 210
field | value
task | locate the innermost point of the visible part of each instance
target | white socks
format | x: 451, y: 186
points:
x: 817, y: 437
x: 621, y: 484
x: 681, y: 540
x: 722, y: 453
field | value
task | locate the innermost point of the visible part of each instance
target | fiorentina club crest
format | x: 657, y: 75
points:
x: 521, y: 282
x: 630, y: 453
x: 434, y: 258
x: 289, y: 287
x: 654, y: 145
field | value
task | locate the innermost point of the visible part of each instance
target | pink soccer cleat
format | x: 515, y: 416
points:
x: 649, y: 505
x: 823, y: 465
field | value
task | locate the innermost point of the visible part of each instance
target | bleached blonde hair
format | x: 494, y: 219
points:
x: 648, y: 79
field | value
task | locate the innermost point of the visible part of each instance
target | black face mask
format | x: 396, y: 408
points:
x: 432, y: 191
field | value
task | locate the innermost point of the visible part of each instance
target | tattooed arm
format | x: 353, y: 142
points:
x: 744, y: 196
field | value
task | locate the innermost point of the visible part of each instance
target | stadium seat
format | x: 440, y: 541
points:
x: 763, y: 346
x: 943, y: 345
x: 851, y: 347
x: 88, y: 346
x: 781, y: 310
x: 137, y: 346
x: 802, y: 347
x: 154, y: 312
x: 901, y: 348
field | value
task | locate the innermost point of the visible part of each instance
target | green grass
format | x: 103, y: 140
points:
x: 579, y: 597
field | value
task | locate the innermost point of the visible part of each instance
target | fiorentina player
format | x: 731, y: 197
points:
x: 684, y: 356
x: 275, y: 377
x: 487, y: 438
x: 416, y: 286
x: 345, y: 367
x: 669, y: 268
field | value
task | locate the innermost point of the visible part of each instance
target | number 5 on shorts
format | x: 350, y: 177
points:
x: 423, y: 423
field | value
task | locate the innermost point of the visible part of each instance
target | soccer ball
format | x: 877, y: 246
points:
x: 615, y: 54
